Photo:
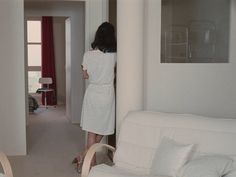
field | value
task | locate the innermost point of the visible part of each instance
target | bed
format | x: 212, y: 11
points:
x: 33, y: 104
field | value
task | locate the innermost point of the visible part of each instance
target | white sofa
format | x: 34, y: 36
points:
x: 142, y: 131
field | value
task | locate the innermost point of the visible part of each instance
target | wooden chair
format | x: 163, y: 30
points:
x: 7, y: 171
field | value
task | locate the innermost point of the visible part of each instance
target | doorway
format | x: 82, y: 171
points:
x: 68, y: 29
x: 68, y: 16
x: 34, y: 60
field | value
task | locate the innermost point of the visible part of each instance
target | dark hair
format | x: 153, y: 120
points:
x: 105, y: 39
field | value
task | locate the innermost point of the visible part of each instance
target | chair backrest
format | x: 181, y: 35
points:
x: 142, y: 131
x: 45, y: 80
x: 5, y: 165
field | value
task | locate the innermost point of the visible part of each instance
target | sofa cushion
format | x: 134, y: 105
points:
x: 170, y: 157
x: 103, y: 170
x: 210, y: 166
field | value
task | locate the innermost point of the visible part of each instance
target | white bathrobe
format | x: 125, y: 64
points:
x: 98, y: 111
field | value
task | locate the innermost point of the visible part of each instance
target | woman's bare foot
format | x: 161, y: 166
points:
x: 79, y: 162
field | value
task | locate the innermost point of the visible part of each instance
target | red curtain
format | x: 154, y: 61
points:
x: 48, y: 59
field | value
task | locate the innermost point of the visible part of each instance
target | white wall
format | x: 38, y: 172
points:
x: 129, y: 58
x: 68, y: 66
x: 96, y: 13
x: 60, y: 61
x: 205, y: 89
x: 74, y: 10
x: 12, y: 78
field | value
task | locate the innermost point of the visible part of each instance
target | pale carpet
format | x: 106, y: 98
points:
x: 52, y: 144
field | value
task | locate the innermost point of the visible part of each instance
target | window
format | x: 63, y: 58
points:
x: 34, y: 47
x: 195, y: 31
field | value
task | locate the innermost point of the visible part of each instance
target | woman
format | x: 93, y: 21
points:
x: 98, y: 111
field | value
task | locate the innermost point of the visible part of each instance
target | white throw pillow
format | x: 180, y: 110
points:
x: 2, y: 175
x: 232, y: 173
x: 207, y: 166
x: 170, y: 157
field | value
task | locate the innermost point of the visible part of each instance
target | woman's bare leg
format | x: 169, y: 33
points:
x: 90, y: 141
x: 92, y: 138
x: 98, y: 138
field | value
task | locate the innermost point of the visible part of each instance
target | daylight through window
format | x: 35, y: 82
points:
x: 34, y: 54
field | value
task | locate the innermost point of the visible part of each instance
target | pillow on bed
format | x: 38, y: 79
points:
x: 170, y: 157
x: 207, y: 166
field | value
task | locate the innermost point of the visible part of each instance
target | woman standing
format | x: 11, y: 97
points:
x: 98, y: 111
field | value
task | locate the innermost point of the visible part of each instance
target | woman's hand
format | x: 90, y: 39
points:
x: 85, y: 74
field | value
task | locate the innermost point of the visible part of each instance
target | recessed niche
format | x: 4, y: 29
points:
x: 195, y: 31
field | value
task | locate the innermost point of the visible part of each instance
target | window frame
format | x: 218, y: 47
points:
x: 31, y: 68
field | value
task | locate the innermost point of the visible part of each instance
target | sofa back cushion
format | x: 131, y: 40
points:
x: 141, y: 132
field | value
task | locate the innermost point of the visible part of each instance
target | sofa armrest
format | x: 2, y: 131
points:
x: 5, y: 165
x: 89, y: 156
